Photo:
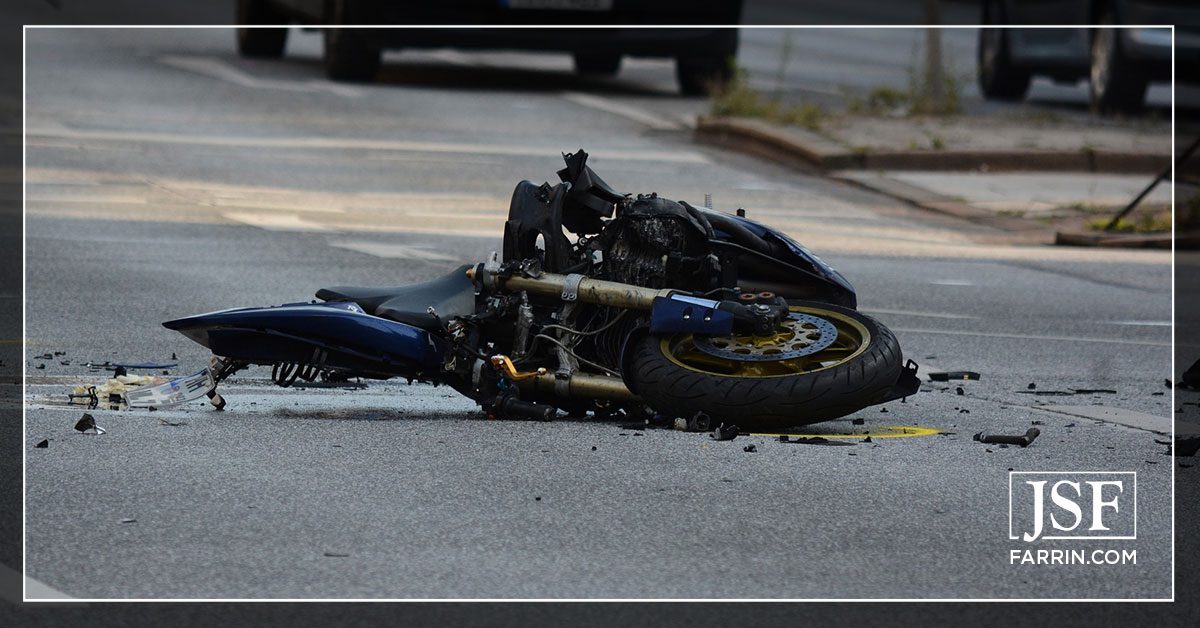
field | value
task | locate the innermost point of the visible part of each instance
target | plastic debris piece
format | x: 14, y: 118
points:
x: 858, y: 421
x: 129, y: 520
x: 1004, y: 439
x: 336, y: 555
x: 1031, y: 386
x: 953, y: 375
x: 181, y: 423
x: 959, y: 391
x: 593, y: 448
x: 40, y: 366
x: 725, y: 433
x: 815, y: 440
x: 749, y: 449
x: 883, y: 409
x: 85, y: 423
x: 43, y: 444
x: 867, y: 439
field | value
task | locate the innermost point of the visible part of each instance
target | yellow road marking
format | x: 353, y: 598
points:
x: 886, y: 431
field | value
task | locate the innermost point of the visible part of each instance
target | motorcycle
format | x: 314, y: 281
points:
x: 599, y: 302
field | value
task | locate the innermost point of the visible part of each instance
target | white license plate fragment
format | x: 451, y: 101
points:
x: 172, y: 393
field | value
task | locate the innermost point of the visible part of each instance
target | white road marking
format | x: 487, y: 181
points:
x: 1142, y: 323
x: 982, y: 334
x: 217, y: 69
x: 636, y: 114
x: 276, y: 222
x: 876, y: 310
x: 353, y: 143
x: 1109, y: 414
x: 952, y: 282
x: 393, y: 251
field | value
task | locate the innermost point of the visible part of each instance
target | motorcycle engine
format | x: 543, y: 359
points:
x: 658, y: 243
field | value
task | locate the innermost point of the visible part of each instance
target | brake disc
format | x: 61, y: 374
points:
x: 800, y: 335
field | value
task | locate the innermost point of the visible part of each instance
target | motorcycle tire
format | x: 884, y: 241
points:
x: 675, y: 378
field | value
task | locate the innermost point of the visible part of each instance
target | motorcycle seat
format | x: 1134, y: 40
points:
x: 450, y: 295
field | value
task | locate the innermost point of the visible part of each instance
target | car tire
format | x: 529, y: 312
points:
x: 347, y: 56
x: 266, y: 43
x: 700, y: 76
x: 597, y: 64
x: 1116, y: 85
x: 999, y: 78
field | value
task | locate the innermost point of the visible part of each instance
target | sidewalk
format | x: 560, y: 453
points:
x: 1028, y: 174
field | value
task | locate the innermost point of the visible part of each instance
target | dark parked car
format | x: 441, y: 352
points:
x: 1119, y: 63
x: 702, y: 56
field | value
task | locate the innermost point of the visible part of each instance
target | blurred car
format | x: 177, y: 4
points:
x: 702, y: 56
x: 1119, y: 63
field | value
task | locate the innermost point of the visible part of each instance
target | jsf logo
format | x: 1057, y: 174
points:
x: 1072, y: 505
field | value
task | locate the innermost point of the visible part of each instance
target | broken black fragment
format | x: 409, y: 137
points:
x: 336, y: 555
x: 749, y: 449
x: 959, y: 391
x: 867, y: 439
x: 1004, y: 439
x: 725, y: 433
x: 85, y: 423
x: 1031, y: 386
x: 43, y: 444
x: 857, y: 422
x: 1095, y: 391
x: 955, y: 375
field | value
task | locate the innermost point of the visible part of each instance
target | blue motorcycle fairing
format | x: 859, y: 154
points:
x: 293, y: 332
x: 804, y: 258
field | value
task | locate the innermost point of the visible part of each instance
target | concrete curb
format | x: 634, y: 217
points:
x: 797, y: 147
x: 1122, y: 240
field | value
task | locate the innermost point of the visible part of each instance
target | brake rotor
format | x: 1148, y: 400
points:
x: 800, y: 335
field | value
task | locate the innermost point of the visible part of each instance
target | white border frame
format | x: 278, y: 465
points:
x: 24, y: 368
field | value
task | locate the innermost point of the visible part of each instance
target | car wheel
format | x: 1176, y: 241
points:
x: 1117, y: 85
x: 597, y: 64
x: 999, y: 78
x: 260, y: 42
x: 699, y: 76
x: 348, y: 57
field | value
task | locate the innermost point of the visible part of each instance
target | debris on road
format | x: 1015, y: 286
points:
x: 1032, y: 386
x: 129, y: 520
x: 953, y: 375
x: 88, y: 422
x: 1003, y: 439
x: 858, y: 421
x: 43, y: 444
x: 812, y: 440
x: 1167, y: 382
x: 336, y: 555
x: 959, y: 391
x: 725, y: 433
x: 182, y: 423
x: 749, y: 449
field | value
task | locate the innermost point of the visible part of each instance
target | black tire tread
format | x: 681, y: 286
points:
x: 774, y: 401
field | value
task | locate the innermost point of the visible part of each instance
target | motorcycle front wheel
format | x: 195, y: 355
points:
x: 825, y: 363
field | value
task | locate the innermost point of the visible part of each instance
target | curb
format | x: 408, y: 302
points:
x: 797, y: 147
x: 1102, y: 239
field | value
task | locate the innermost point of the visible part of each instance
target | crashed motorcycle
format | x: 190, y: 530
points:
x: 600, y: 302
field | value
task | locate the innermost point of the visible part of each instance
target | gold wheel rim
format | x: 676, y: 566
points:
x: 853, y: 339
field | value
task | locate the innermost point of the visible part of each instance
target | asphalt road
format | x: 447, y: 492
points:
x: 167, y: 177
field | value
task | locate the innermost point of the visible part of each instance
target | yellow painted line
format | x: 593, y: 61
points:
x: 886, y: 431
x: 10, y: 341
